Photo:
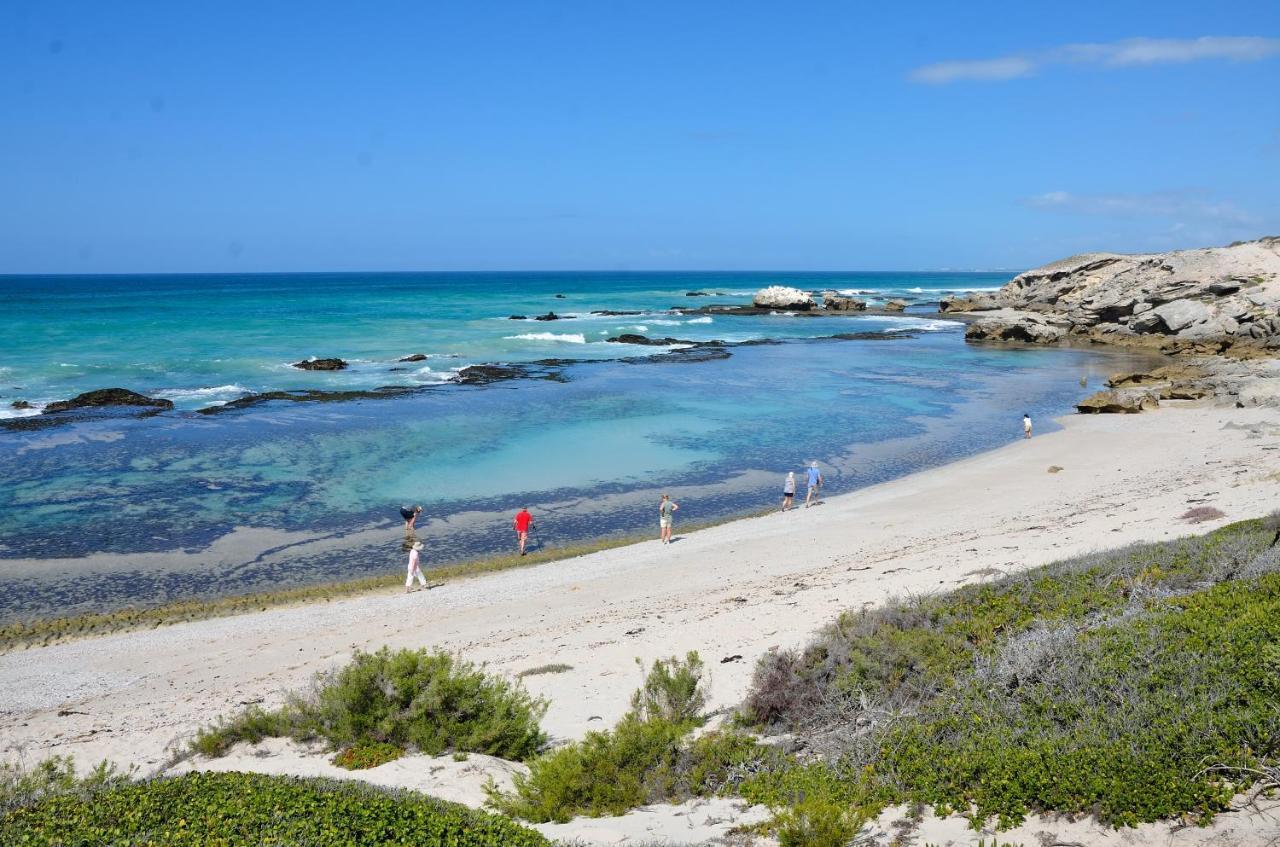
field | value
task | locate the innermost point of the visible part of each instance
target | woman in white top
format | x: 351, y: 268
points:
x: 788, y: 490
x: 414, y: 568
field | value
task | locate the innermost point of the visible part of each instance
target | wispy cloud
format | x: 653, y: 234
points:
x: 1173, y: 205
x: 1131, y: 52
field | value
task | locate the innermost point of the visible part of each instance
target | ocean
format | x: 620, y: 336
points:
x: 105, y: 511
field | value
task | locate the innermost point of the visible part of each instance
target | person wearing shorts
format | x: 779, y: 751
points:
x: 522, y: 524
x: 788, y: 490
x: 410, y: 514
x: 1026, y: 426
x: 815, y: 485
x: 415, y: 569
x: 666, y: 510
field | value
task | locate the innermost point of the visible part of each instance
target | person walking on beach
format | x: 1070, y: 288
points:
x: 788, y: 490
x: 415, y: 569
x: 666, y: 509
x: 814, y: 493
x: 410, y: 515
x: 1026, y: 425
x: 522, y: 523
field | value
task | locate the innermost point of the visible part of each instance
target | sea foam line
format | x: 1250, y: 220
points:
x: 566, y: 337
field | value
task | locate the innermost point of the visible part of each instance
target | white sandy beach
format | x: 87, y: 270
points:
x: 731, y: 592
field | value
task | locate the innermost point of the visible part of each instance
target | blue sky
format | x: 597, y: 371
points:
x: 156, y: 137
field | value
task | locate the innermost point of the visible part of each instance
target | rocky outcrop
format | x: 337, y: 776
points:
x: 333, y: 364
x: 107, y: 397
x: 20, y: 404
x: 631, y: 338
x: 895, y: 305
x: 414, y: 357
x: 839, y: 303
x: 1208, y: 300
x: 782, y: 297
x: 1118, y: 402
x: 549, y: 316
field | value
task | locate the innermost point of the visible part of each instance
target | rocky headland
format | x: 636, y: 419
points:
x: 1216, y: 308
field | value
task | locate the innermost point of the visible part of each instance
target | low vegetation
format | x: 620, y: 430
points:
x: 239, y: 808
x: 21, y: 785
x: 555, y: 667
x: 418, y: 700
x: 1102, y: 685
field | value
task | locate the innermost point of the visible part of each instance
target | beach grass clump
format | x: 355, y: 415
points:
x: 24, y: 785
x: 1103, y: 685
x: 554, y: 667
x: 418, y: 700
x: 241, y: 808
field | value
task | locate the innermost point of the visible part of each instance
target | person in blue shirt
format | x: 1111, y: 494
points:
x: 815, y: 485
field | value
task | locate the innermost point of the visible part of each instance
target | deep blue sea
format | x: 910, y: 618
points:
x: 104, y: 511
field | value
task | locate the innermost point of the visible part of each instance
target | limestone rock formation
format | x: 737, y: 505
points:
x: 782, y: 297
x: 1118, y: 402
x: 1199, y: 301
x: 895, y: 305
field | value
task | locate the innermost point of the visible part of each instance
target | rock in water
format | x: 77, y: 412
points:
x: 1118, y: 402
x: 108, y: 397
x: 549, y: 316
x: 840, y: 303
x: 20, y: 404
x: 321, y: 365
x: 895, y: 305
x: 414, y: 357
x: 782, y: 297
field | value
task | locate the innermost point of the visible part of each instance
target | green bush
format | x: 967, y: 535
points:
x: 367, y: 755
x: 251, y: 809
x: 672, y: 691
x: 819, y: 822
x: 612, y: 771
x: 415, y: 699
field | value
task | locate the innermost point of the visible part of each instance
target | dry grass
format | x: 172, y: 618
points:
x: 1200, y: 514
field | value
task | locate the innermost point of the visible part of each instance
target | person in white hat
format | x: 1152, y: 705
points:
x: 414, y: 568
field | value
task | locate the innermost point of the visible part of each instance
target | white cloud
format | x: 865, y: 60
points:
x: 1130, y: 52
x: 1172, y: 205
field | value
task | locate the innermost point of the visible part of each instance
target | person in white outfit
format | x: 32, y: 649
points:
x: 1026, y: 426
x: 788, y: 490
x: 414, y: 568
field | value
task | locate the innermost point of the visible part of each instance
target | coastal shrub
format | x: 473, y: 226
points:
x: 1200, y: 514
x: 408, y: 699
x: 1101, y: 685
x: 672, y: 691
x: 369, y: 754
x: 819, y: 822
x: 611, y: 771
x: 23, y: 785
x: 239, y: 808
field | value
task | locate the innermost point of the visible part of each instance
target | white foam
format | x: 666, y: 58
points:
x: 638, y: 328
x: 565, y: 337
x: 7, y: 411
x: 918, y: 324
x: 235, y: 390
x: 666, y: 323
x: 916, y: 290
x: 700, y: 321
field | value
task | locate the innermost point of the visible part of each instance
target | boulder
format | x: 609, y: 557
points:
x: 414, y: 357
x: 332, y: 364
x: 782, y: 297
x: 840, y: 303
x: 895, y: 305
x: 107, y: 397
x: 696, y: 294
x: 20, y: 404
x: 977, y: 302
x: 549, y: 316
x: 1178, y: 315
x: 1027, y: 327
x: 1118, y: 402
x: 517, y: 317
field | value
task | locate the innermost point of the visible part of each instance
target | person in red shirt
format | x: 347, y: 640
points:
x: 522, y: 524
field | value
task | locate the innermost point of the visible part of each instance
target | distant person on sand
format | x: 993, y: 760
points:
x: 522, y: 524
x: 788, y: 490
x: 666, y: 510
x: 414, y: 568
x: 814, y: 494
x: 410, y: 514
x: 1026, y: 425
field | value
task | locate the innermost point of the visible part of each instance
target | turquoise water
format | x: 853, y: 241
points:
x: 589, y: 450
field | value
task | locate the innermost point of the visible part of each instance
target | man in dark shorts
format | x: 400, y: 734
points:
x: 410, y: 514
x: 522, y: 524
